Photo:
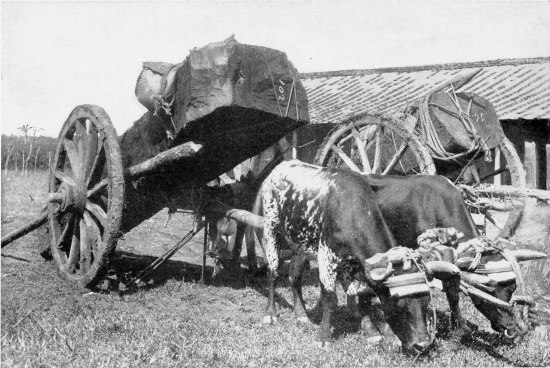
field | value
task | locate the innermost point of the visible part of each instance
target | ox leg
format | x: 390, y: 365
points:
x: 296, y: 271
x: 328, y: 265
x: 249, y: 238
x: 452, y: 290
x: 328, y: 301
x: 270, y: 315
x: 271, y: 240
x: 238, y: 246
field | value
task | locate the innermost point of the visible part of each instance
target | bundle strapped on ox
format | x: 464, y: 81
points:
x: 226, y: 102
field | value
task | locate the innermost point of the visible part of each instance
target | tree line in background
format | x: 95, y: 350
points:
x: 27, y: 151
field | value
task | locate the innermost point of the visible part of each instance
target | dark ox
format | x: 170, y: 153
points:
x: 411, y: 205
x: 333, y: 215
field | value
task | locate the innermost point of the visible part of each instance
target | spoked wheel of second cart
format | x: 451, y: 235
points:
x: 375, y: 144
x: 86, y: 193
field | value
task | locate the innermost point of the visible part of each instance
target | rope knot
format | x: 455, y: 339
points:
x: 524, y: 313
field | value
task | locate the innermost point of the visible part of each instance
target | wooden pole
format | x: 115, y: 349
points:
x: 548, y: 167
x: 510, y: 191
x: 531, y: 164
x: 204, y: 245
x: 294, y: 145
x: 27, y: 228
x: 497, y: 166
x: 165, y: 158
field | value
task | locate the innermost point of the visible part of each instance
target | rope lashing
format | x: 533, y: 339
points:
x: 524, y: 314
x: 520, y: 306
x: 428, y: 131
x: 447, y: 236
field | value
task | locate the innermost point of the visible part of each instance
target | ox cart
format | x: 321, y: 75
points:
x: 224, y: 103
x: 454, y: 134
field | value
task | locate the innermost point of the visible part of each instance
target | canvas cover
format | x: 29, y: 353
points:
x: 451, y: 130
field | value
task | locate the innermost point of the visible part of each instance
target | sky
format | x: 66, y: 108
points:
x: 57, y: 55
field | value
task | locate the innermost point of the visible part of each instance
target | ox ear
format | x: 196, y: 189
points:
x: 528, y: 255
x: 441, y: 270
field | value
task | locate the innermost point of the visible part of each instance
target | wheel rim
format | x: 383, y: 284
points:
x: 86, y: 195
x: 507, y: 221
x: 375, y: 144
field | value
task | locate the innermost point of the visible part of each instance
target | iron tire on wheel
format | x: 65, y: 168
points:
x: 86, y: 187
x: 353, y: 130
x: 518, y: 179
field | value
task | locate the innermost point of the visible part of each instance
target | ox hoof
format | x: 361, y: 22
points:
x: 303, y: 320
x: 269, y: 319
x: 374, y: 340
x: 323, y: 344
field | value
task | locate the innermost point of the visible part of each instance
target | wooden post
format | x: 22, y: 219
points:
x: 548, y: 167
x: 497, y: 166
x: 294, y: 145
x: 530, y: 162
x: 204, y: 246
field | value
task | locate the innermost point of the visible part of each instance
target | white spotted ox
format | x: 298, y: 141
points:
x: 333, y: 214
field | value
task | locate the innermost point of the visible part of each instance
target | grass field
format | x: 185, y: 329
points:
x: 175, y: 321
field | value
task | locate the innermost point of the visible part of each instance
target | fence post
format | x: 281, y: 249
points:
x: 548, y: 167
x: 531, y: 164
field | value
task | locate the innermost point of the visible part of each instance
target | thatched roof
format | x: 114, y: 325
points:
x: 518, y: 88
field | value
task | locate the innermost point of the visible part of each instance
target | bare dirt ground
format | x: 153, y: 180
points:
x: 173, y: 320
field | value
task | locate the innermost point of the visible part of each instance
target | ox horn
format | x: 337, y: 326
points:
x: 380, y: 274
x: 528, y: 255
x: 441, y: 269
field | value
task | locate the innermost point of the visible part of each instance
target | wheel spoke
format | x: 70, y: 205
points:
x: 377, y: 151
x: 362, y: 153
x: 345, y: 158
x: 98, y: 187
x: 94, y: 234
x: 91, y: 149
x: 98, y: 213
x: 80, y: 139
x: 64, y: 177
x: 97, y: 166
x: 85, y: 248
x: 73, y: 159
x: 75, y: 248
x: 66, y: 231
x: 398, y: 156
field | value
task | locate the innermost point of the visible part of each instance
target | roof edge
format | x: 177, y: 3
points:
x: 437, y: 67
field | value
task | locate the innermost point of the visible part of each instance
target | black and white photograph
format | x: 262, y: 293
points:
x: 278, y: 183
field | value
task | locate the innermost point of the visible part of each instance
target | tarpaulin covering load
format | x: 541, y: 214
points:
x: 233, y: 97
x: 461, y: 119
x: 243, y: 79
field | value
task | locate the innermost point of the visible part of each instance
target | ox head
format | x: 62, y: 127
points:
x: 495, y: 276
x: 404, y: 294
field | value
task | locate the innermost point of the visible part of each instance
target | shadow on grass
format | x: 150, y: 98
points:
x: 126, y: 266
x: 16, y: 258
x: 479, y: 340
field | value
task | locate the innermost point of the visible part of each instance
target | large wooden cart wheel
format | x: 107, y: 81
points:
x: 373, y: 144
x: 86, y: 187
x: 506, y: 212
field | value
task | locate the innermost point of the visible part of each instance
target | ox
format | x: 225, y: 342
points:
x: 333, y: 214
x: 414, y: 204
